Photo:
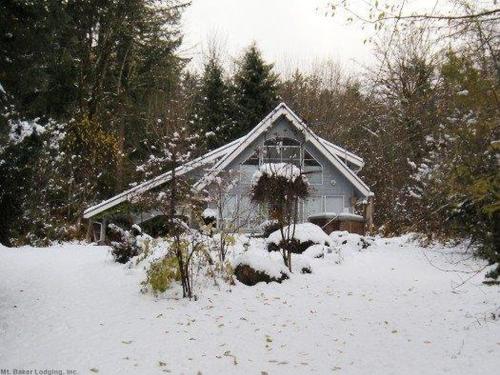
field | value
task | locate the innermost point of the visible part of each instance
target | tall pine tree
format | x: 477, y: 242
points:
x: 213, y: 109
x: 255, y: 91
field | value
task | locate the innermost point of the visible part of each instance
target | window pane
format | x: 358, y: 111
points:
x: 312, y: 206
x: 334, y: 204
x: 291, y: 153
x: 272, y: 153
x: 311, y: 162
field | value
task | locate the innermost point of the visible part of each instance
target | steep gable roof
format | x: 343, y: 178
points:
x: 283, y: 110
x: 225, y: 154
x: 161, y: 179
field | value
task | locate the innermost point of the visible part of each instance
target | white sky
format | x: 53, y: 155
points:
x: 289, y: 33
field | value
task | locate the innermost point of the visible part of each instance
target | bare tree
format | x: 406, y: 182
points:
x: 177, y: 201
x: 232, y: 215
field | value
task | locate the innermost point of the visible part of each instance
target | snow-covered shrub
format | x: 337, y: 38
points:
x: 209, y: 216
x: 302, y: 236
x: 350, y: 241
x: 252, y: 268
x: 127, y: 245
x: 301, y: 263
x: 161, y: 274
x: 315, y: 251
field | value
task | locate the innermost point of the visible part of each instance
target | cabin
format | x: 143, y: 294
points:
x: 339, y: 200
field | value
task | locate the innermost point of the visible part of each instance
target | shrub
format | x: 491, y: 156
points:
x: 126, y: 247
x: 281, y: 186
x: 162, y: 273
x: 304, y: 236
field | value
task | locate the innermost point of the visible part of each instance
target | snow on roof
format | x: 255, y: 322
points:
x: 343, y: 153
x: 282, y: 110
x: 159, y: 180
x: 342, y: 216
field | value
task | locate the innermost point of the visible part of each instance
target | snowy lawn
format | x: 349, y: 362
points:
x: 384, y: 310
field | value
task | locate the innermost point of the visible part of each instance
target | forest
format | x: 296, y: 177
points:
x: 91, y: 91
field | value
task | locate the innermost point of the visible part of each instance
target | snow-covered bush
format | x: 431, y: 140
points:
x: 350, y: 241
x: 252, y: 268
x: 302, y: 264
x: 315, y: 251
x: 302, y: 236
x: 127, y: 245
x: 209, y: 216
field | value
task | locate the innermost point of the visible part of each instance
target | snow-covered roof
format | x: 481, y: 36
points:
x: 160, y: 180
x: 225, y: 154
x: 331, y: 153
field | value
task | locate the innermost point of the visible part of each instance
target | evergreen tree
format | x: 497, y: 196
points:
x: 213, y: 109
x: 255, y: 91
x: 16, y: 175
x: 102, y: 70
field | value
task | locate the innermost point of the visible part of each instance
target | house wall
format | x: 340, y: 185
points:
x: 325, y: 196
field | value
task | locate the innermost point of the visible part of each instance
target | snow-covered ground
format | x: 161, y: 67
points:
x: 386, y: 309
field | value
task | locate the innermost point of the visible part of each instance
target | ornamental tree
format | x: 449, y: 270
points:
x: 280, y: 186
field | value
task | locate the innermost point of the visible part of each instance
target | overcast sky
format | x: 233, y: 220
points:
x: 288, y: 32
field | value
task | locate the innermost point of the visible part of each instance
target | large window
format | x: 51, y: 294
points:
x: 281, y: 150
